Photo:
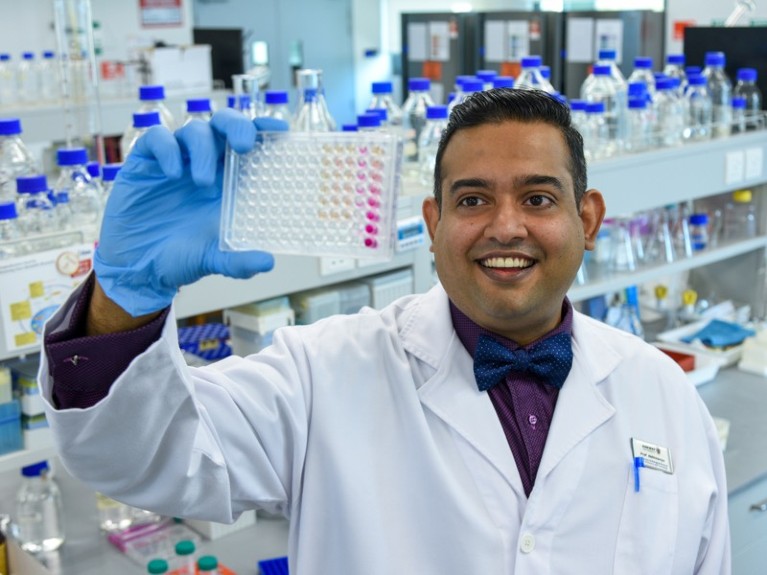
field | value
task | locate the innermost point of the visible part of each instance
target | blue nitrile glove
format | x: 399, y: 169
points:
x: 161, y: 222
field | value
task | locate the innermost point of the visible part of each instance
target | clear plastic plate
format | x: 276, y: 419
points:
x: 324, y: 194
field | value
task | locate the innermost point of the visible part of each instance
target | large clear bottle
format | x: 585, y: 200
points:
x: 383, y: 100
x: 669, y: 113
x: 85, y: 197
x: 15, y: 159
x: 152, y: 99
x: 603, y: 89
x: 36, y: 211
x: 276, y: 105
x: 10, y: 232
x: 8, y: 89
x: 578, y: 113
x: 428, y: 142
x: 700, y: 109
x: 596, y: 134
x: 142, y: 121
x: 414, y: 117
x: 198, y: 109
x: 740, y: 218
x: 530, y: 77
x: 49, y: 78
x: 312, y: 114
x: 39, y: 512
x: 27, y: 80
x: 638, y: 126
x: 643, y: 73
x: 468, y: 87
x: 746, y: 88
x: 606, y: 58
x: 675, y: 69
x: 720, y: 88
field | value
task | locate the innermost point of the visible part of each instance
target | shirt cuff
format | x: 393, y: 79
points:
x: 83, y: 368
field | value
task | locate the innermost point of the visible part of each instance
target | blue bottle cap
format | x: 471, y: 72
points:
x: 715, y: 59
x: 473, y: 86
x: 637, y: 103
x: 109, y: 172
x: 578, y: 105
x: 10, y: 126
x: 643, y: 63
x: 62, y: 197
x: 207, y: 563
x: 230, y: 101
x: 459, y: 80
x: 419, y: 84
x: 699, y: 219
x: 607, y: 55
x: 638, y: 89
x: 689, y: 70
x: 71, y: 156
x: 31, y: 184
x: 382, y: 88
x: 601, y: 70
x: 369, y: 120
x: 5, y: 57
x: 747, y: 74
x: 546, y: 72
x: 486, y: 75
x: 310, y: 94
x: 436, y: 112
x: 696, y: 80
x: 739, y: 103
x: 94, y: 169
x: 662, y: 84
x: 8, y: 211
x: 146, y: 119
x: 28, y: 55
x: 35, y: 469
x: 675, y: 59
x: 531, y: 61
x: 382, y: 113
x: 244, y: 101
x: 196, y: 105
x: 157, y: 567
x: 151, y: 93
x: 349, y: 128
x: 503, y: 82
x: 595, y: 107
x: 276, y: 97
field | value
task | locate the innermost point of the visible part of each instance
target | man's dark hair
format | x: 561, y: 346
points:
x: 506, y: 104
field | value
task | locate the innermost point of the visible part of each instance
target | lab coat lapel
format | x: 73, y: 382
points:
x: 452, y: 394
x: 581, y: 408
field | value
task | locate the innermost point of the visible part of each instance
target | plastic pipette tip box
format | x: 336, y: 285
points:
x: 319, y: 194
x: 278, y: 566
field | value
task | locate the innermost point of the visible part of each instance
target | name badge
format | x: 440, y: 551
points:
x: 655, y: 456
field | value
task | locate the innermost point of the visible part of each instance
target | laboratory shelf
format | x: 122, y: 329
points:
x: 15, y: 460
x: 618, y: 280
x: 633, y: 183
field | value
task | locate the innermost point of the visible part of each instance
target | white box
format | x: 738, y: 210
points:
x: 252, y: 326
x: 180, y: 69
x: 212, y: 530
x: 386, y: 288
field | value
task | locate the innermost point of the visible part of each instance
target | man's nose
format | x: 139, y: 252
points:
x: 506, y: 224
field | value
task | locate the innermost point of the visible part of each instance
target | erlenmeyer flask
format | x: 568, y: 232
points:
x: 312, y: 114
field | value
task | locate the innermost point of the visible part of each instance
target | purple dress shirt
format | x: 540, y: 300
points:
x: 524, y: 403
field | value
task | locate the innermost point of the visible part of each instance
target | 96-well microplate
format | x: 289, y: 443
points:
x: 328, y: 194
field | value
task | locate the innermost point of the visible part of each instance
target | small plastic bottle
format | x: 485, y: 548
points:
x: 578, y: 113
x: 643, y: 73
x: 746, y: 88
x: 428, y: 143
x: 638, y: 127
x: 36, y: 211
x: 720, y: 88
x: 276, y: 105
x: 740, y: 219
x: 27, y: 80
x: 382, y: 99
x: 207, y: 565
x: 157, y: 567
x: 312, y: 113
x: 63, y: 210
x: 670, y: 117
x: 8, y: 88
x: 699, y: 231
x: 48, y: 76
x: 94, y: 171
x: 39, y: 513
x: 414, y: 117
x: 153, y: 100
x: 596, y: 135
x: 185, y: 558
x: 142, y: 121
x: 15, y: 159
x: 700, y: 110
x: 198, y: 109
x: 530, y: 77
x: 738, y: 115
x: 10, y: 231
x: 85, y: 196
x: 675, y: 69
x: 109, y: 173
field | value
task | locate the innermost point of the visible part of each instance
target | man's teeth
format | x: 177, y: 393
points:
x: 507, y: 263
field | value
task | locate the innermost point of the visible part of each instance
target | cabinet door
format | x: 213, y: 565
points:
x: 748, y: 528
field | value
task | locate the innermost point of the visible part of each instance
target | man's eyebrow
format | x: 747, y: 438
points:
x: 468, y: 183
x: 541, y: 180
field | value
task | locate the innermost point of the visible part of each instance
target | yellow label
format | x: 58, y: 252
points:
x: 21, y: 310
x: 26, y: 338
x: 36, y: 289
x: 208, y: 344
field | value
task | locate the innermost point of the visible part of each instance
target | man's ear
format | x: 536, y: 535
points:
x: 430, y: 212
x: 592, y: 212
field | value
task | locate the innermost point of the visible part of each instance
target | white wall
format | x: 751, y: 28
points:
x: 703, y: 13
x: 27, y: 25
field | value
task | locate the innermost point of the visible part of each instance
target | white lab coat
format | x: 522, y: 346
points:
x: 369, y: 433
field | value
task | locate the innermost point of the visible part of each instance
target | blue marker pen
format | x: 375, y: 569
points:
x: 638, y: 462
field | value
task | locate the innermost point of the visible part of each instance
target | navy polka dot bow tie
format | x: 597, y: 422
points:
x: 550, y: 359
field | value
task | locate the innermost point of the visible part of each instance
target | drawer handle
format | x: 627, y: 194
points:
x: 761, y: 506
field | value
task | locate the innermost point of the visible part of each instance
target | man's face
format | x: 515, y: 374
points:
x: 510, y: 238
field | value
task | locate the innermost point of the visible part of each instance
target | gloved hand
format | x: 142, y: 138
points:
x: 161, y: 222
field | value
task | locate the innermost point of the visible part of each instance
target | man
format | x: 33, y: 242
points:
x: 418, y: 439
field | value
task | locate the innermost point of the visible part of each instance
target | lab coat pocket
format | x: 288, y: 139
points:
x: 648, y: 525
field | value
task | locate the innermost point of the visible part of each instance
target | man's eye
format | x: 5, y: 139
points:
x: 539, y: 200
x: 470, y: 201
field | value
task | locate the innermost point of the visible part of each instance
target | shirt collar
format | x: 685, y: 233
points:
x: 468, y: 331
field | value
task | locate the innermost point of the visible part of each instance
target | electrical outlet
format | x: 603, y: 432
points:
x: 333, y: 265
